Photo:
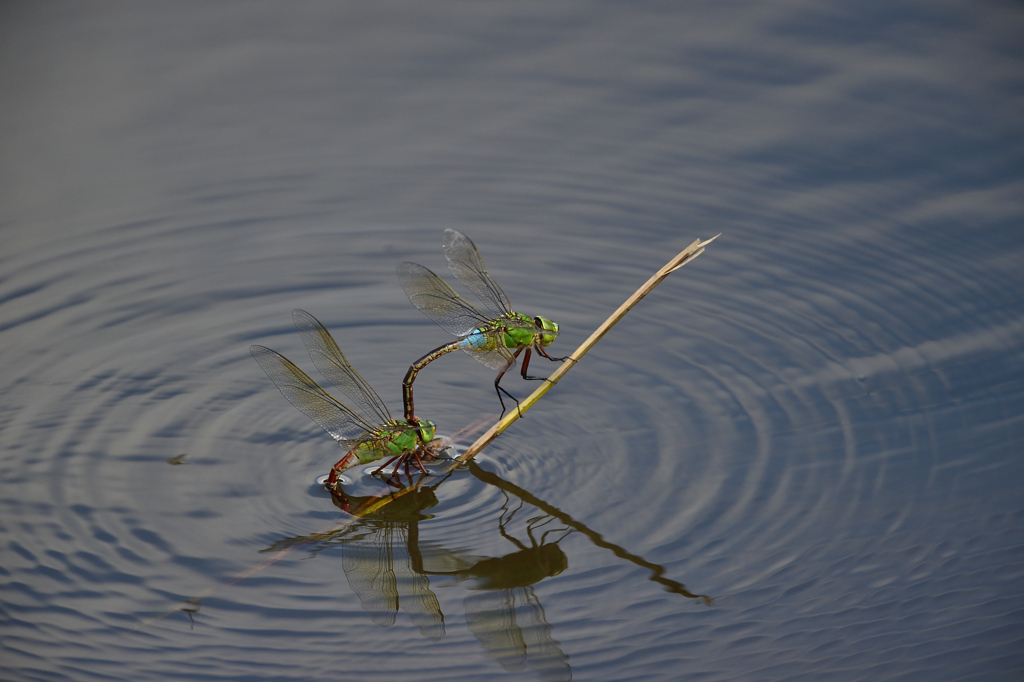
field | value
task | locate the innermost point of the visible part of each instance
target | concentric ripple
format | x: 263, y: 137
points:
x: 781, y: 455
x: 799, y: 457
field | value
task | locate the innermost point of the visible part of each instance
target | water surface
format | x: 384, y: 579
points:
x: 800, y: 457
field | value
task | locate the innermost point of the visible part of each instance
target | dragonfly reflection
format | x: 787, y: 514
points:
x: 389, y: 568
x: 381, y: 559
x: 378, y: 561
x: 503, y: 611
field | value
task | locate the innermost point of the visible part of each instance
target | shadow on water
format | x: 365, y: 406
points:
x: 388, y: 567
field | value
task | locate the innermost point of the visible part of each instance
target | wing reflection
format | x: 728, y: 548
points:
x: 388, y: 568
x: 504, y: 613
x: 378, y: 568
x: 511, y: 627
x: 381, y: 559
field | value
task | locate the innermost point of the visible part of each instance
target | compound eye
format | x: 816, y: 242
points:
x: 539, y: 322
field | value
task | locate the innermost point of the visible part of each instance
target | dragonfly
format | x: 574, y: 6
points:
x: 495, y: 338
x: 364, y: 439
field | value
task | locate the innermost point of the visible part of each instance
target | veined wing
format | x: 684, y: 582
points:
x: 497, y: 358
x: 344, y: 425
x: 331, y: 362
x: 466, y: 264
x: 438, y: 301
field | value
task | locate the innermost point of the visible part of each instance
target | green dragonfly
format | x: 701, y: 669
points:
x: 494, y: 339
x: 365, y: 440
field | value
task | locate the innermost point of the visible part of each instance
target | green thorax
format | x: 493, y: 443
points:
x: 381, y: 444
x: 515, y: 330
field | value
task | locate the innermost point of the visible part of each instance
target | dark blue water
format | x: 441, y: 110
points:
x: 802, y: 456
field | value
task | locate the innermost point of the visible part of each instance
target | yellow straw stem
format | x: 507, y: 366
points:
x: 684, y: 257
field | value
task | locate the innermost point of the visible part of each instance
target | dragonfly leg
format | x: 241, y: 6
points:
x: 384, y: 465
x: 526, y: 363
x: 541, y: 351
x: 503, y: 408
x: 501, y: 390
x: 419, y: 462
x: 545, y: 354
x: 395, y: 478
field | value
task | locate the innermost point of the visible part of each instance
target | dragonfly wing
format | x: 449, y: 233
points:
x: 333, y: 364
x: 497, y: 358
x: 438, y: 301
x: 466, y: 264
x: 344, y: 425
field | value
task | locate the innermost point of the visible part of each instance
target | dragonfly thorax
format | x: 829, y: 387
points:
x: 413, y: 435
x: 389, y: 443
x: 518, y: 337
x: 519, y: 331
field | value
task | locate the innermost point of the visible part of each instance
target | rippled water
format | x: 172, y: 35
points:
x: 800, y: 457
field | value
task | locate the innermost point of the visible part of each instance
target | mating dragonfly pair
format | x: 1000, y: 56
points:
x: 496, y: 340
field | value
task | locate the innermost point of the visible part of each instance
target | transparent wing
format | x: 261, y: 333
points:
x: 344, y: 425
x: 331, y: 362
x: 438, y: 301
x: 466, y: 264
x: 497, y: 358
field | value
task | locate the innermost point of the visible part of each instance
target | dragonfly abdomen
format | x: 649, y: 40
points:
x: 414, y: 369
x: 478, y: 340
x: 367, y: 452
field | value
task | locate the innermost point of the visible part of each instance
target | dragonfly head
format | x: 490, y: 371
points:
x: 549, y: 330
x: 426, y: 430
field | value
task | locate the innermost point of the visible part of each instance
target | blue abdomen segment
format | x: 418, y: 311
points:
x: 476, y: 341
